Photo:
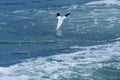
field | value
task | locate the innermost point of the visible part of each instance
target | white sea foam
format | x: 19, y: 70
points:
x: 81, y: 63
x: 19, y: 11
x: 74, y: 6
x: 108, y: 2
x: 14, y: 78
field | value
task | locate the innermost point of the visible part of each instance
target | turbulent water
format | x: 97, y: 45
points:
x: 87, y: 47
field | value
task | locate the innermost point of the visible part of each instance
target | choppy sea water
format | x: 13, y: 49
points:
x: 87, y: 47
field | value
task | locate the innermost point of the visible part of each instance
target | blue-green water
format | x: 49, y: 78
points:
x: 87, y: 47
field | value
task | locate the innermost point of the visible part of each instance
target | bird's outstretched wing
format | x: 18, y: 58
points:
x: 58, y: 14
x: 67, y: 14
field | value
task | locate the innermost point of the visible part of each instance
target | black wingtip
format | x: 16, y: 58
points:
x: 67, y: 14
x: 58, y: 14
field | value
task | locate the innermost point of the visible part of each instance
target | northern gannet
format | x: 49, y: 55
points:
x: 61, y: 19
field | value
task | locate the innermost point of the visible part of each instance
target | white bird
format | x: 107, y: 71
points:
x: 61, y: 19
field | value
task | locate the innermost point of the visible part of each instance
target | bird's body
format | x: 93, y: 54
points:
x: 60, y: 20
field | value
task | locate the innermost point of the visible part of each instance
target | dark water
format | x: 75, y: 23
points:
x: 87, y: 47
